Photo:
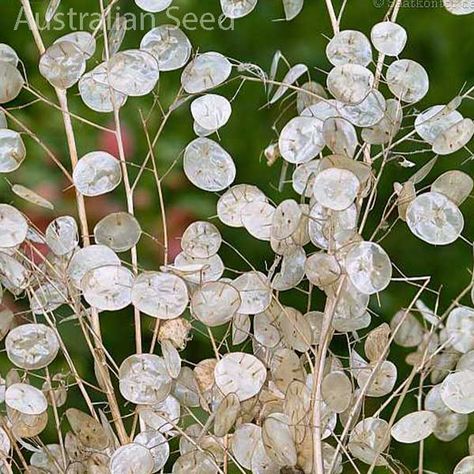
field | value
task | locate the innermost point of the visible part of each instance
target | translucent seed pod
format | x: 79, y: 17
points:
x: 350, y: 83
x: 120, y: 231
x: 12, y: 150
x: 11, y: 82
x: 239, y: 373
x: 389, y: 38
x: 108, y: 288
x: 414, y: 427
x: 62, y: 235
x: 160, y: 295
x: 144, y: 379
x: 368, y: 267
x: 301, y: 139
x: 236, y: 8
x: 349, y: 47
x: 208, y: 166
x: 32, y: 346
x: 133, y: 72
x: 432, y: 217
x: 205, y: 71
x: 169, y: 46
x: 63, y: 64
x: 211, y: 111
x: 407, y: 80
x: 97, y: 173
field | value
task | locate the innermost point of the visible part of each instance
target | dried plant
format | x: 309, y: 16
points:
x: 277, y: 397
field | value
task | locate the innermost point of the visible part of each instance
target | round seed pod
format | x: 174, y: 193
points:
x: 211, y: 111
x: 255, y: 292
x: 257, y: 218
x: 407, y: 330
x: 13, y: 226
x: 63, y: 64
x: 97, y: 173
x: 383, y: 382
x: 198, y: 270
x: 457, y: 391
x: 197, y: 462
x: 466, y: 465
x: 237, y: 9
x: 97, y: 93
x: 8, y: 55
x: 11, y: 82
x: 434, y: 121
x: 432, y: 217
x: 337, y: 391
x: 350, y: 83
x: 163, y: 416
x: 160, y: 295
x: 303, y: 177
x: 144, y: 379
x: 201, y: 240
x: 336, y: 188
x: 120, y: 231
x: 25, y: 399
x: 153, y: 6
x: 368, y: 440
x: 89, y: 432
x: 88, y: 258
x: 13, y: 275
x: 449, y: 426
x: 133, y: 72
x: 407, y: 80
x: 244, y: 442
x: 459, y: 7
x: 349, y: 47
x: 240, y: 373
x: 226, y: 414
x: 301, y: 139
x: 460, y: 329
x: 389, y: 38
x: 204, y: 72
x: 292, y: 270
x: 286, y: 219
x: 369, y: 267
x: 83, y: 40
x: 32, y: 346
x: 108, y: 288
x: 158, y: 446
x: 278, y: 440
x: 12, y: 150
x: 232, y: 202
x: 454, y: 138
x: 322, y: 270
x: 132, y: 457
x: 215, y: 303
x: 208, y: 166
x: 414, y: 427
x: 455, y: 185
x: 340, y: 137
x: 168, y: 45
x: 62, y: 235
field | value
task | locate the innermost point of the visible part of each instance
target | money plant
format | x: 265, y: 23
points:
x: 301, y: 388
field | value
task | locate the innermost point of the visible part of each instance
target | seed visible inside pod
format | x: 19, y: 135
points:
x: 169, y: 45
x: 120, y: 231
x: 205, y: 71
x: 12, y: 150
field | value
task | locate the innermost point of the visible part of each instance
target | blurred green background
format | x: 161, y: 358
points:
x: 443, y: 43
